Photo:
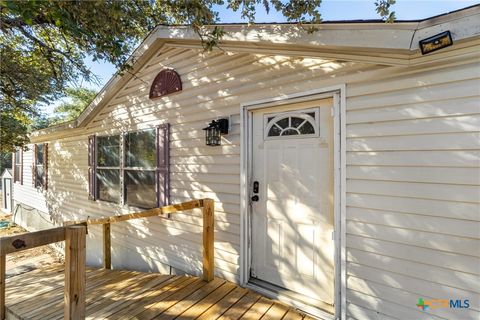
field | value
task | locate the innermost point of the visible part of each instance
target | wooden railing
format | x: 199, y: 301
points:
x: 75, y: 241
x: 73, y: 233
x: 207, y: 206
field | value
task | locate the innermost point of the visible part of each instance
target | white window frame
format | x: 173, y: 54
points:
x: 122, y: 146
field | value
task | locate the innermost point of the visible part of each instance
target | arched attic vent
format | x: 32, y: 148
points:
x: 167, y: 81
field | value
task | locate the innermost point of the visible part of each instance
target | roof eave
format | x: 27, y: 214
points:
x: 398, y: 39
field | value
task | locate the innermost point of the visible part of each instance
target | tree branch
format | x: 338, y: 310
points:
x: 50, y: 49
x: 13, y: 23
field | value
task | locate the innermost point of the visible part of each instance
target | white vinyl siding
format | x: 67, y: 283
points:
x: 26, y: 193
x: 413, y: 195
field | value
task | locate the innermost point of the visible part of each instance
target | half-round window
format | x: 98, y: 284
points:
x: 167, y: 81
x: 292, y: 124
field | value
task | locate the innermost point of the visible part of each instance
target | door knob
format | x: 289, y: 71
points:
x: 255, y: 198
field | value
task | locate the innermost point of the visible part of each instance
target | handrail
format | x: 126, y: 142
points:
x: 207, y: 206
x: 75, y: 256
x: 144, y: 214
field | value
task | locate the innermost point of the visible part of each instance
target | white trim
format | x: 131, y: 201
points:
x: 338, y: 94
x: 343, y: 200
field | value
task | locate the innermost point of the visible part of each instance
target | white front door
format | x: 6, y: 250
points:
x: 7, y: 194
x: 292, y: 210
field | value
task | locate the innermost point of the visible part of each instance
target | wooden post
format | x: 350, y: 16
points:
x: 208, y: 239
x: 2, y: 286
x: 107, y: 251
x: 75, y: 255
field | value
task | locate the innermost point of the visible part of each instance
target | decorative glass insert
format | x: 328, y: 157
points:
x: 292, y: 124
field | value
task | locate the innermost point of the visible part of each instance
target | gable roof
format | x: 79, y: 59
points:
x: 362, y: 41
x: 7, y: 173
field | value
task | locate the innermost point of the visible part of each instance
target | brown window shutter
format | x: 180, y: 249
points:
x: 92, y: 194
x: 45, y: 166
x: 21, y: 166
x: 163, y: 165
x: 34, y: 165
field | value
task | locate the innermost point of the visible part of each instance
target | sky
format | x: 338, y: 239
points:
x: 331, y: 10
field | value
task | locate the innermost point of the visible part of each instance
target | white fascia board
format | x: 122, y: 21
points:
x: 465, y: 26
x: 368, y: 36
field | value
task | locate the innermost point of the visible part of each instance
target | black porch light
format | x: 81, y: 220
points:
x: 214, y: 131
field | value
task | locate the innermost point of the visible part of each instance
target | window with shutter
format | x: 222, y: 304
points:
x: 40, y: 166
x: 133, y: 171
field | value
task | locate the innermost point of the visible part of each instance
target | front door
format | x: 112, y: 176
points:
x: 292, y: 200
x: 7, y: 195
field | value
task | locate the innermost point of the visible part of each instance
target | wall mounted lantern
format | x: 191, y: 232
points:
x: 214, y: 131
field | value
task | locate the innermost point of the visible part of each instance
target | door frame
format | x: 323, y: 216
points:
x: 339, y: 106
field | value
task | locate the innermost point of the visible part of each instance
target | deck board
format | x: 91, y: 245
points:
x: 116, y: 294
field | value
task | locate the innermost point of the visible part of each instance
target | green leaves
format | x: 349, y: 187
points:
x: 78, y: 99
x: 46, y: 42
x: 383, y: 9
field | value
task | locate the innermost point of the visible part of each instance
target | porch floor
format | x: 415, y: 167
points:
x: 117, y: 294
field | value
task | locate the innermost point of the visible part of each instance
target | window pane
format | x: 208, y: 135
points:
x: 290, y: 132
x: 39, y: 155
x: 108, y: 151
x: 140, y: 150
x: 39, y: 176
x: 140, y: 188
x: 274, y: 131
x: 108, y: 184
x: 18, y: 157
x: 307, y: 128
x: 18, y: 169
x: 283, y: 123
x: 296, y: 122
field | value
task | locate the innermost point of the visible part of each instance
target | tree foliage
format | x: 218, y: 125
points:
x: 44, y: 43
x: 78, y: 99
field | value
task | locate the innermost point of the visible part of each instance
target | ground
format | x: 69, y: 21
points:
x: 28, y: 259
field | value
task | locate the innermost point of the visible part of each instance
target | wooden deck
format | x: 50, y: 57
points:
x: 114, y: 294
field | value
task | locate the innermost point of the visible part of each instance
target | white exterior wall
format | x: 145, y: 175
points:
x: 413, y: 195
x: 29, y: 203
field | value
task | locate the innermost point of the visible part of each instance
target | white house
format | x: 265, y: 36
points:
x: 347, y: 184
